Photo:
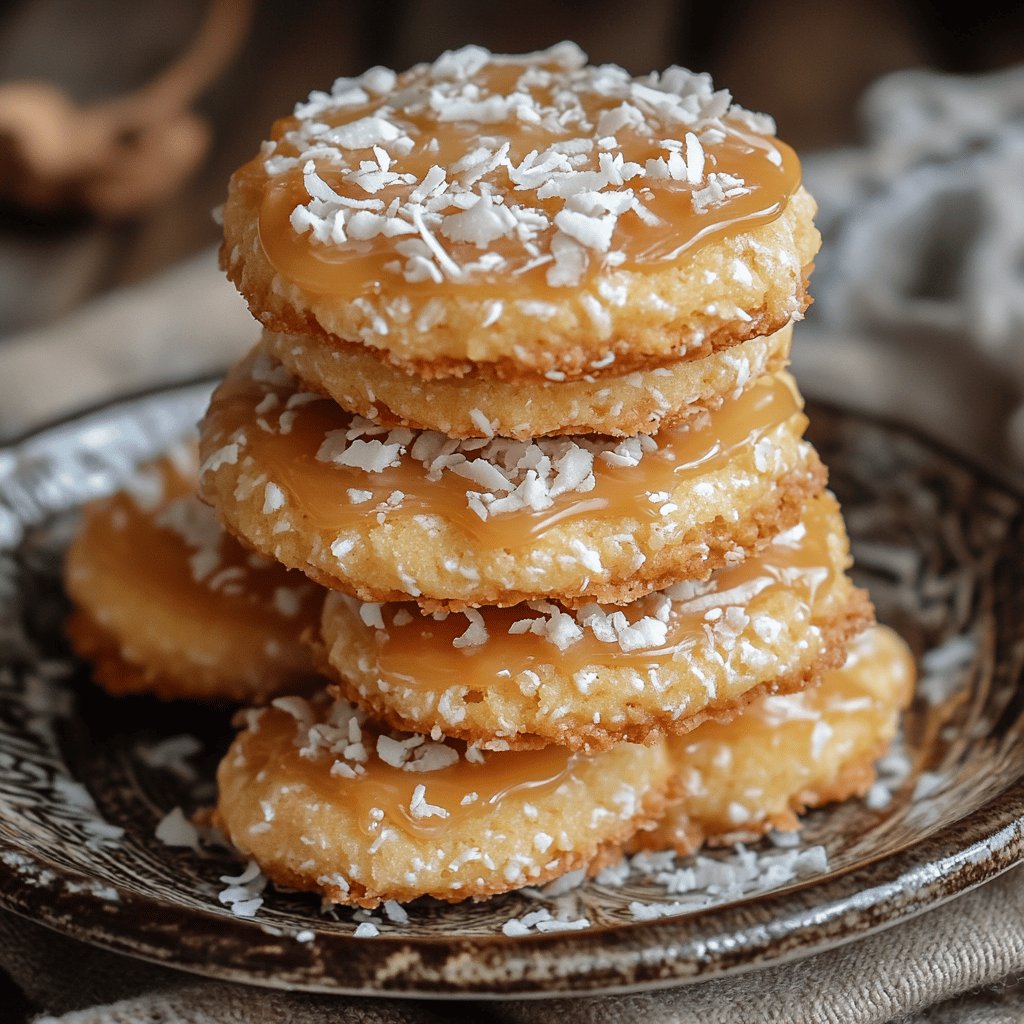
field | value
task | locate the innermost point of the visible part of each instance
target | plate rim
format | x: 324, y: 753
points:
x: 980, y: 860
x: 1002, y: 846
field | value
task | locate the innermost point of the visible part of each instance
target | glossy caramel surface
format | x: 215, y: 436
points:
x: 462, y: 791
x: 322, y: 492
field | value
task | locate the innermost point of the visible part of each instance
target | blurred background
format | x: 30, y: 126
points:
x: 120, y: 124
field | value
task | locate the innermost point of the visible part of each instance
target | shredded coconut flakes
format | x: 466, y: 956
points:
x: 504, y: 475
x: 559, y: 206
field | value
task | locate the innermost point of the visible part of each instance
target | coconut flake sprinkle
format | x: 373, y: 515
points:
x: 499, y: 475
x: 433, y: 166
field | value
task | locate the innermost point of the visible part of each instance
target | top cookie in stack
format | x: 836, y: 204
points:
x: 506, y: 218
x: 526, y: 328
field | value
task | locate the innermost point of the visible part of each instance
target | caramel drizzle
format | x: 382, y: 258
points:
x: 319, y: 491
x: 419, y: 654
x: 501, y: 776
x: 769, y: 168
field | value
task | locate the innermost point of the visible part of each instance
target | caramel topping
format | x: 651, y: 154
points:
x: 383, y: 787
x: 539, y: 171
x: 323, y: 492
x: 679, y: 230
x: 418, y: 651
x: 209, y: 576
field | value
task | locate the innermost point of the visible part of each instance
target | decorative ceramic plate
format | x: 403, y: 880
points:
x: 85, y: 780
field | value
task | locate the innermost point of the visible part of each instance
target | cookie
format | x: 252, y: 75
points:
x: 166, y: 603
x: 785, y: 754
x: 326, y: 801
x: 389, y: 514
x: 526, y: 214
x: 616, y: 405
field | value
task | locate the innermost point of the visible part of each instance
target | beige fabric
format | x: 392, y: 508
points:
x: 917, y: 973
x: 182, y: 324
x: 73, y: 983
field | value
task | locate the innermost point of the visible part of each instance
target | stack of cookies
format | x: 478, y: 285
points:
x: 520, y: 405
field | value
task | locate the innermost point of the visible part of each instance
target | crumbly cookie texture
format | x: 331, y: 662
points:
x: 532, y: 675
x: 609, y: 403
x: 216, y: 622
x: 528, y: 213
x: 392, y: 514
x: 785, y: 754
x: 326, y: 802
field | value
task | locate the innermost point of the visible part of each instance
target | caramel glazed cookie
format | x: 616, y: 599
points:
x: 538, y: 673
x: 325, y: 800
x: 518, y: 216
x: 391, y: 513
x: 166, y: 603
x: 785, y: 754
